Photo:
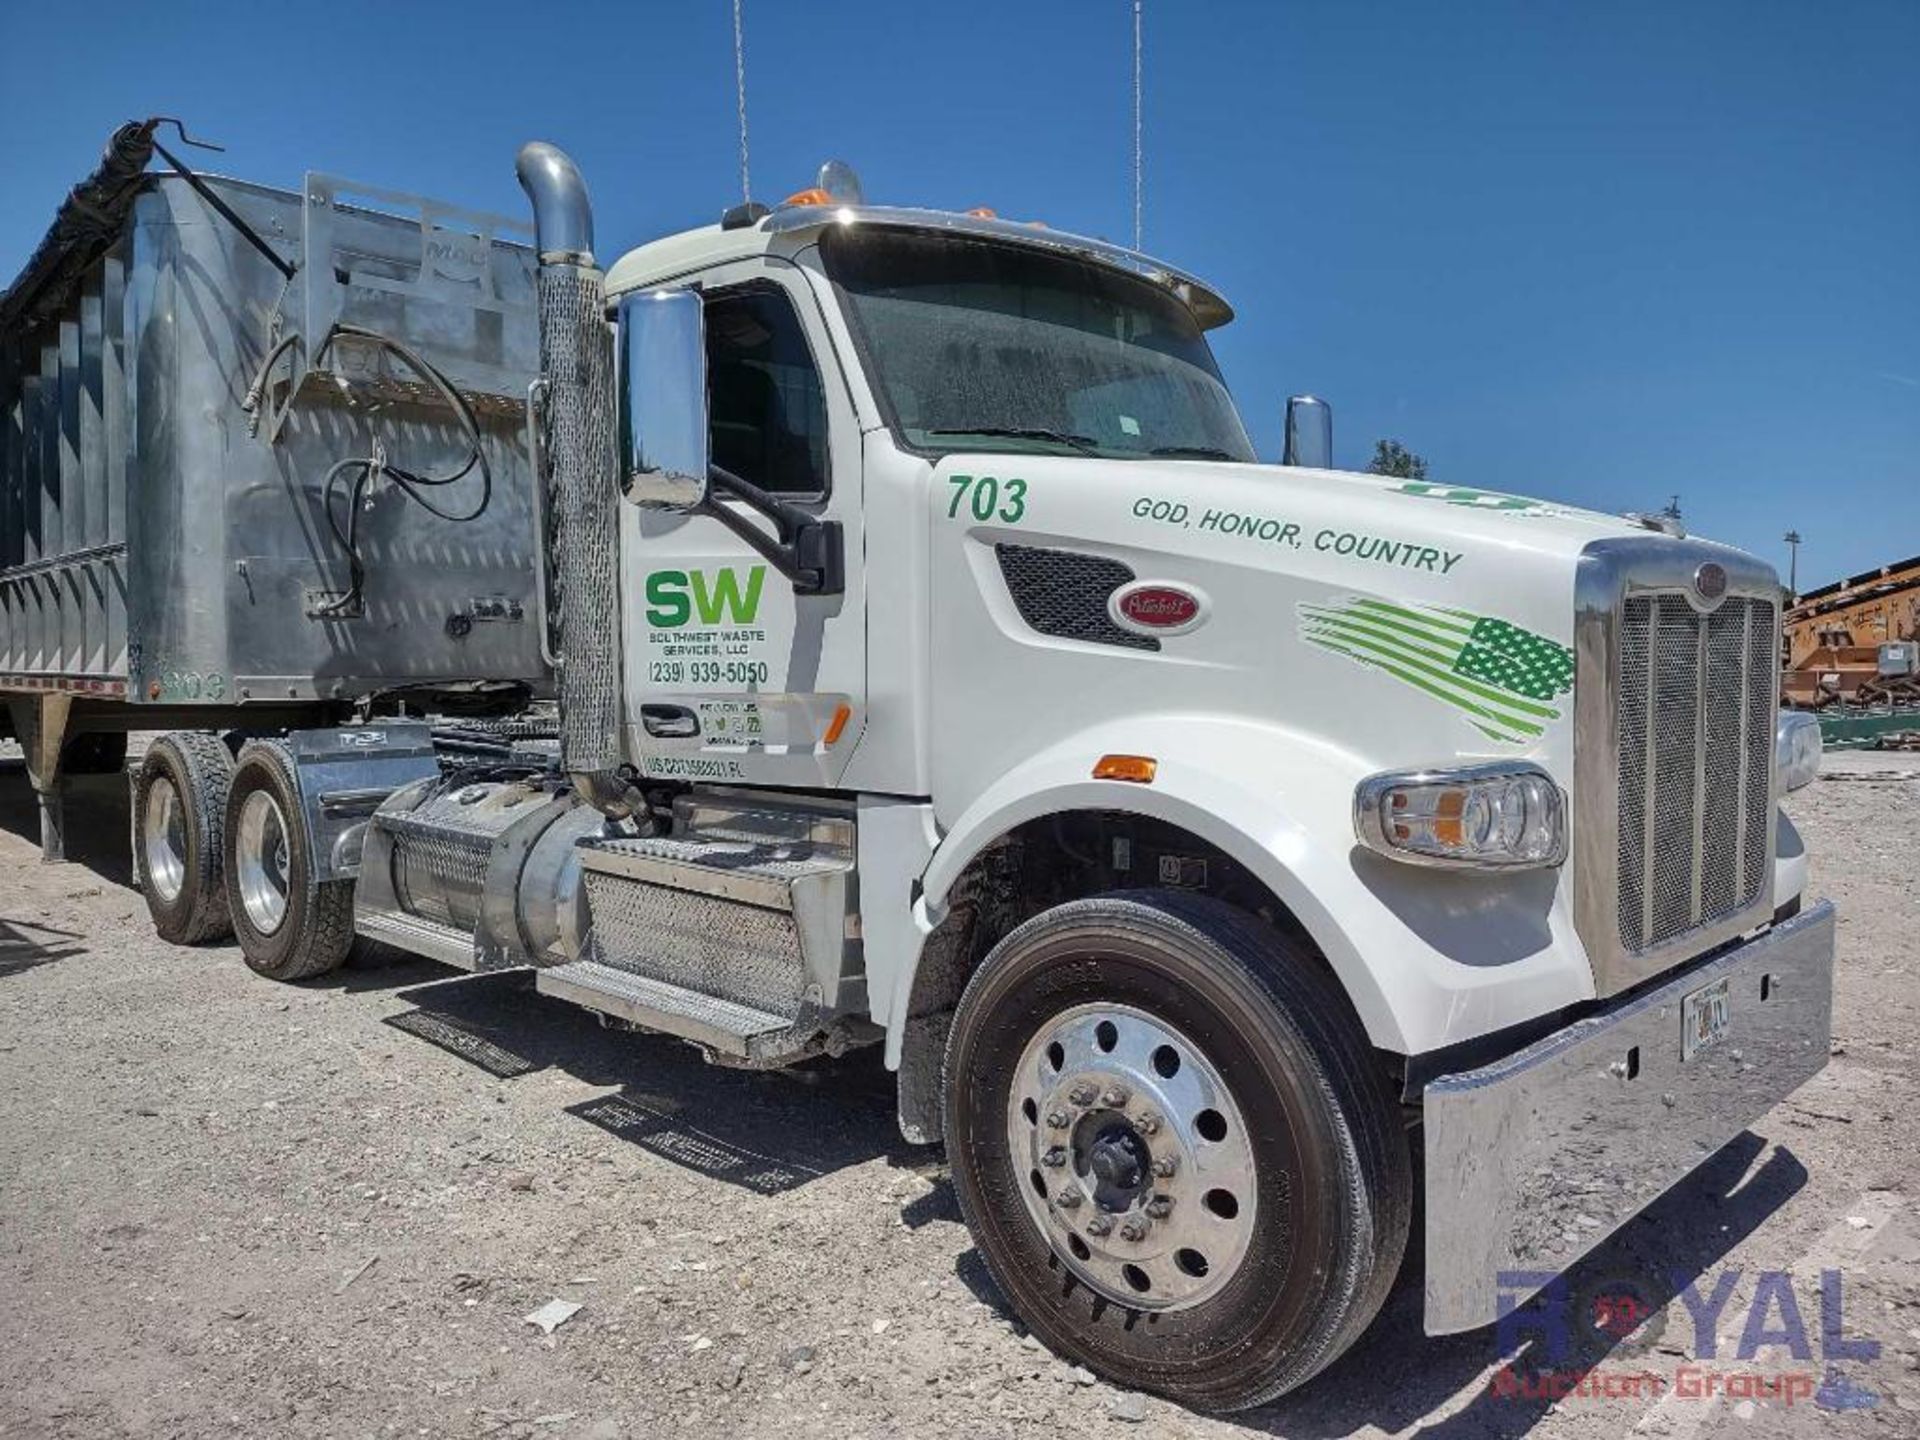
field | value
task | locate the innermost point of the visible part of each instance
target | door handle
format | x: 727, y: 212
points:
x: 669, y: 722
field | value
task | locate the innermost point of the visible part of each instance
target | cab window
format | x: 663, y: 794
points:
x: 767, y: 407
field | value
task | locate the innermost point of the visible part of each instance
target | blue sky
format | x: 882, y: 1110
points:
x: 1598, y: 253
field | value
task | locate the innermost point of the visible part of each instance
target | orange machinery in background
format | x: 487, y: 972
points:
x: 1856, y: 641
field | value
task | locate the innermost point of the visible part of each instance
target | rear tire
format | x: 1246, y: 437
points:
x: 179, y: 823
x: 290, y: 925
x: 1174, y: 1147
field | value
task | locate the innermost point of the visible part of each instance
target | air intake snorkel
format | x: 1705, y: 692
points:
x: 581, y: 479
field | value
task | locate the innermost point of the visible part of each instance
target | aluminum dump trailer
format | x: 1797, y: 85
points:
x: 225, y: 413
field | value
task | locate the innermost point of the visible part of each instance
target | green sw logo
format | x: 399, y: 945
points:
x: 674, y: 597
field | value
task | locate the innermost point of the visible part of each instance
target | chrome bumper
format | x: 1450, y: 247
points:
x: 1537, y: 1158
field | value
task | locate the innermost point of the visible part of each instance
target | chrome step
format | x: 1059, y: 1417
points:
x: 418, y: 937
x: 725, y: 1025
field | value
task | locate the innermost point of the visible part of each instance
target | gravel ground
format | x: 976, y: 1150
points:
x: 239, y: 1208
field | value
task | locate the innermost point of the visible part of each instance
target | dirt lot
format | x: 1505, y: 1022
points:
x: 238, y: 1208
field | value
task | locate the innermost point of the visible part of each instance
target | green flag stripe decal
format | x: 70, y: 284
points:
x: 1449, y: 644
x: 1432, y: 618
x: 1503, y: 677
x: 1451, y: 661
x: 1528, y: 730
x: 1404, y: 656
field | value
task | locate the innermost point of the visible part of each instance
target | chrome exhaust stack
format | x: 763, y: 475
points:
x: 580, y: 480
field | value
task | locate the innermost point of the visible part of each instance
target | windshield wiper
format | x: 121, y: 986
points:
x: 1017, y: 432
x: 1196, y: 452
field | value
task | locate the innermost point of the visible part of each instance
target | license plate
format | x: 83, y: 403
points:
x: 1705, y: 1017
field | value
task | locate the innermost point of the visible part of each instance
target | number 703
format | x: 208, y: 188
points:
x: 987, y: 498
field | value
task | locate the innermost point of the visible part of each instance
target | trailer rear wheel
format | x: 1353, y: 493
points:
x: 179, y: 819
x: 1174, y: 1148
x: 290, y: 925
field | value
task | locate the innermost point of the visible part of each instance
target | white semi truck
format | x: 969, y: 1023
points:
x: 1220, y: 852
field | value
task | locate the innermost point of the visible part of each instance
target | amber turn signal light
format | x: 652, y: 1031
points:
x: 1139, y: 769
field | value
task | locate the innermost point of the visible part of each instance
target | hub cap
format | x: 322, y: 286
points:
x: 1138, y: 1163
x: 261, y: 862
x: 163, y: 838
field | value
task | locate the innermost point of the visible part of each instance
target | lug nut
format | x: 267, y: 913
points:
x: 1160, y: 1206
x: 1083, y: 1094
x: 1054, y: 1158
x: 1116, y: 1096
x: 1099, y: 1225
x: 1135, y: 1229
x: 1069, y: 1199
x: 1165, y: 1165
x: 1059, y: 1119
x: 1147, y: 1123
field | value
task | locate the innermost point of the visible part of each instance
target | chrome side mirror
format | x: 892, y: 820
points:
x: 661, y: 347
x: 1309, y: 433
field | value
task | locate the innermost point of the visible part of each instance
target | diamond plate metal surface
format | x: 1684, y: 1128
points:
x: 723, y: 855
x: 1065, y: 593
x: 720, y: 947
x: 440, y: 853
x: 1695, y: 718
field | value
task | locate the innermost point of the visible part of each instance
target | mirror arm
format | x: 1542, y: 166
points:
x: 811, y: 553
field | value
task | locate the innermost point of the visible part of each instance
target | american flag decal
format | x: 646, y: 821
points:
x: 1505, y: 679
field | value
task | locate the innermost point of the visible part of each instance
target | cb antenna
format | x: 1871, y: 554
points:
x: 740, y: 97
x: 1139, y: 150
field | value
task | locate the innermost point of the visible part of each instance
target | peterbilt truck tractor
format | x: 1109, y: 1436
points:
x: 1217, y: 850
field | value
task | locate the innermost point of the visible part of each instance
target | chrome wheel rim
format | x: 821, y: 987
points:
x: 163, y: 840
x: 1134, y: 1158
x: 261, y: 862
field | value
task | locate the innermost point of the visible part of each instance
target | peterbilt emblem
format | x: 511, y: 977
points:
x: 1710, y: 581
x: 1157, y: 607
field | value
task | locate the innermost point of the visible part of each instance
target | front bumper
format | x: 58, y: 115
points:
x: 1533, y: 1160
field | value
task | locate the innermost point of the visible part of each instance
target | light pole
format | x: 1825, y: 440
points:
x: 1792, y: 537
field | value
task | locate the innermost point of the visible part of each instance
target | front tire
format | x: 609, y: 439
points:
x: 1174, y: 1147
x: 290, y: 925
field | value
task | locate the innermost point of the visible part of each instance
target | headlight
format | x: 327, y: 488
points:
x: 1478, y: 817
x: 1796, y: 749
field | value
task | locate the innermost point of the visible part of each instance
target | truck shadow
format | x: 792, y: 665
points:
x: 1496, y: 1383
x: 98, y: 817
x: 1397, y: 1378
x: 26, y: 946
x: 766, y: 1131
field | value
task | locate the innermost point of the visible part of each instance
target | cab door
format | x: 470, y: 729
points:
x: 730, y: 676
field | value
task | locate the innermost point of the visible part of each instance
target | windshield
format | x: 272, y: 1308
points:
x: 981, y: 345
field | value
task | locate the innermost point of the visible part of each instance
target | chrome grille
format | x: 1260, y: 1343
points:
x: 1695, y: 716
x: 1674, y: 702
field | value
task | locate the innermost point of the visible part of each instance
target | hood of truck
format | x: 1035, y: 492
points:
x: 1259, y: 502
x: 1441, y: 614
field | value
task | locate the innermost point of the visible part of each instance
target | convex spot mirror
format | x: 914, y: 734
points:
x: 661, y: 347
